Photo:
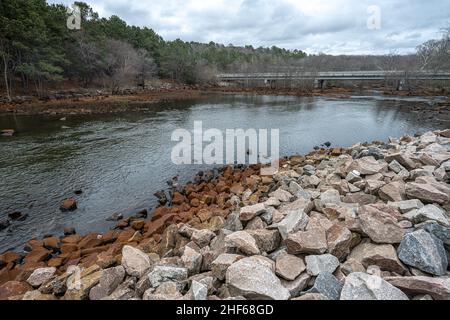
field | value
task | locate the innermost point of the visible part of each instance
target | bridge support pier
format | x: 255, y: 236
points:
x: 319, y: 84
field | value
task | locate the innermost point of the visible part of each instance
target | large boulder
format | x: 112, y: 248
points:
x: 380, y: 226
x: 367, y: 166
x: 166, y: 273
x: 220, y: 265
x: 110, y: 280
x: 289, y: 267
x: 362, y: 286
x: 322, y: 263
x: 249, y: 212
x: 135, y: 262
x: 312, y: 241
x: 394, y: 191
x: 294, y: 221
x: 426, y: 192
x: 328, y: 285
x: 41, y: 276
x: 431, y: 213
x: 192, y: 260
x: 266, y: 240
x: 381, y: 255
x: 339, y: 240
x: 423, y: 251
x: 253, y: 280
x: 242, y: 241
x: 438, y: 288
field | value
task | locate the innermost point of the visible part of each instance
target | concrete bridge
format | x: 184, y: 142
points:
x: 400, y: 77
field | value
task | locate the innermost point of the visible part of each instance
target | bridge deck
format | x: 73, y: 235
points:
x: 344, y: 75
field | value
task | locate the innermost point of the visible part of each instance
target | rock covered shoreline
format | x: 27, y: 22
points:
x: 367, y: 222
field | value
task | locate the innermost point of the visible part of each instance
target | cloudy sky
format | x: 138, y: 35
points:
x: 333, y: 26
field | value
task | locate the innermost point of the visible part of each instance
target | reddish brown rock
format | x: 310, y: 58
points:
x: 138, y: 224
x: 13, y: 288
x: 177, y: 198
x: 90, y: 241
x: 69, y: 204
x: 51, y: 243
x: 339, y: 240
x: 73, y: 239
x: 38, y: 255
x: 204, y: 215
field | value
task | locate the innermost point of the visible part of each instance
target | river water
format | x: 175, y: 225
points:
x: 119, y: 161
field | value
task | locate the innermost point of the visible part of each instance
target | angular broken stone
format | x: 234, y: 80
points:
x: 166, y: 273
x: 220, y: 265
x: 322, y: 263
x: 253, y: 280
x: 202, y: 237
x: 425, y: 192
x: 289, y: 267
x: 406, y: 205
x: 339, y: 240
x: 438, y: 288
x: 439, y: 231
x: 135, y: 262
x: 380, y: 226
x: 328, y: 285
x: 295, y: 220
x: 242, y: 241
x: 351, y: 265
x: 401, y: 158
x: 110, y: 280
x: 249, y: 212
x: 395, y: 166
x: 423, y: 251
x: 281, y: 195
x: 394, y: 191
x: 313, y: 241
x: 192, y: 260
x: 41, y: 276
x: 367, y: 166
x: 362, y: 286
x: 296, y: 286
x: 381, y: 255
x: 433, y: 213
x: 266, y: 240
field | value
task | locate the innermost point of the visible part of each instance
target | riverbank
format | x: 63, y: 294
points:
x: 100, y: 103
x: 326, y: 226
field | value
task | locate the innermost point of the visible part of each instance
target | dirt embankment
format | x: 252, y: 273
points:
x: 103, y: 103
x: 97, y: 104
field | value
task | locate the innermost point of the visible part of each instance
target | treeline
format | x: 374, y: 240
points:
x: 37, y: 49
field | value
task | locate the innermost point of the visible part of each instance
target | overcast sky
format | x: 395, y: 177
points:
x: 333, y: 26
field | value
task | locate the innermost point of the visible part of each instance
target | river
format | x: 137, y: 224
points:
x: 120, y: 160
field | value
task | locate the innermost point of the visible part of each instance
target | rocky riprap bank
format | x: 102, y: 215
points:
x: 368, y: 222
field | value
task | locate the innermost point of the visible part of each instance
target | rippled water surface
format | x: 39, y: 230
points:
x: 119, y: 161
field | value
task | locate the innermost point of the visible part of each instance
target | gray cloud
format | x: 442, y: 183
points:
x: 334, y: 27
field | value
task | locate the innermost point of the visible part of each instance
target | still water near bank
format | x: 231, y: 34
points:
x: 119, y: 161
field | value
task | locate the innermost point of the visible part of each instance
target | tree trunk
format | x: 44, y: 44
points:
x: 5, y: 73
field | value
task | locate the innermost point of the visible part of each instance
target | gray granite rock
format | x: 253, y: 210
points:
x: 423, y: 251
x: 363, y: 286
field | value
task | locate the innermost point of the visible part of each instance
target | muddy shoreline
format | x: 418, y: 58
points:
x: 102, y: 104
